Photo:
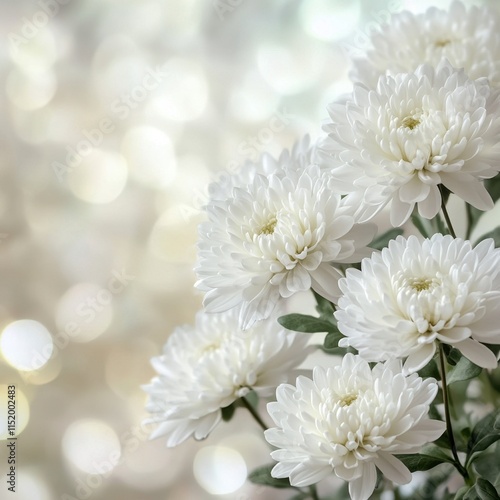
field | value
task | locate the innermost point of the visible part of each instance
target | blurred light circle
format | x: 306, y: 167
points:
x: 330, y: 19
x: 293, y: 67
x: 44, y: 375
x: 30, y: 90
x: 97, y: 176
x: 92, y: 446
x: 37, y: 53
x: 150, y: 156
x: 173, y: 237
x: 22, y: 411
x: 84, y: 312
x: 253, y: 100
x: 150, y: 466
x: 182, y: 94
x: 31, y: 486
x: 219, y: 470
x: 26, y: 344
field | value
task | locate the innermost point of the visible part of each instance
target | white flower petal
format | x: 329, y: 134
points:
x: 477, y: 353
x: 413, y: 132
x: 350, y: 418
x: 207, y: 367
x: 274, y: 237
x: 393, y: 468
x: 415, y: 293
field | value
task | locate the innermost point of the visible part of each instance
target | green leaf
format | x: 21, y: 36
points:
x: 228, y: 412
x: 461, y: 493
x: 486, y: 466
x: 383, y: 240
x: 495, y: 234
x: 417, y: 462
x: 463, y: 370
x: 306, y: 324
x: 430, y: 370
x: 453, y: 356
x: 262, y: 475
x: 332, y: 340
x: 482, y: 490
x: 423, y: 225
x: 435, y: 451
x: 485, y: 433
x: 325, y: 308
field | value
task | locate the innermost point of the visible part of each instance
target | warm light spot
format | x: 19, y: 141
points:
x: 26, y: 344
x: 150, y: 156
x: 84, y: 312
x: 99, y: 177
x: 92, y: 446
x: 219, y: 470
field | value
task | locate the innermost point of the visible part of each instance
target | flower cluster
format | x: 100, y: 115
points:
x: 207, y: 367
x: 422, y: 125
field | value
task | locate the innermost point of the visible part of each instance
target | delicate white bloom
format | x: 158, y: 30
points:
x: 207, y: 367
x: 397, y: 144
x: 302, y: 155
x: 351, y: 419
x: 274, y: 238
x: 414, y: 293
x: 468, y: 38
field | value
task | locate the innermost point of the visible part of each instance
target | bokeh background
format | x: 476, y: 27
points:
x: 115, y: 114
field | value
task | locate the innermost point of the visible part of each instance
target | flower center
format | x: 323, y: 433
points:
x: 268, y: 228
x: 442, y: 43
x: 210, y: 349
x: 348, y: 399
x: 420, y: 284
x: 410, y: 122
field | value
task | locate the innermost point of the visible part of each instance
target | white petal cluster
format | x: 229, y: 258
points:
x: 274, y: 238
x: 468, y: 38
x: 415, y: 293
x: 417, y: 131
x: 207, y: 367
x: 351, y: 419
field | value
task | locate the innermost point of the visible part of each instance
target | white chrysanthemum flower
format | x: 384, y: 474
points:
x: 468, y: 38
x: 209, y: 366
x: 274, y: 238
x: 351, y: 419
x: 396, y: 145
x: 414, y: 293
x: 302, y: 155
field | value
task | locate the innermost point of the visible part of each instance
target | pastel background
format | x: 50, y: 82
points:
x: 115, y: 114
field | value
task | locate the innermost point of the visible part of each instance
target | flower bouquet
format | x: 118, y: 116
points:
x: 407, y: 404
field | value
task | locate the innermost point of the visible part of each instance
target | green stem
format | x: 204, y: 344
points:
x: 449, y: 427
x: 446, y: 216
x: 253, y: 412
x: 313, y: 491
x: 468, y: 233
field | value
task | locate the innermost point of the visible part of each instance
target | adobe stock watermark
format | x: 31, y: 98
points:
x: 223, y: 7
x: 39, y: 20
x: 360, y: 41
x: 85, y: 313
x: 251, y: 148
x: 120, y: 109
